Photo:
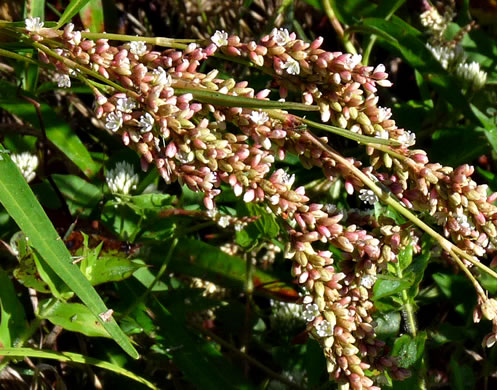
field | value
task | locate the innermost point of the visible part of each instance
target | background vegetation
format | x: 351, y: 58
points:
x: 209, y: 306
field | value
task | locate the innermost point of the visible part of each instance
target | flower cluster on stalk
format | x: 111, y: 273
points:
x: 190, y: 141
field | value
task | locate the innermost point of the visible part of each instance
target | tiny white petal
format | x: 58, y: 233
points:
x: 408, y: 138
x: 223, y: 221
x: 324, y: 329
x: 162, y: 77
x: 310, y: 312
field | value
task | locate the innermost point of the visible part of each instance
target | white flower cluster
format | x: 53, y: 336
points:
x: 472, y: 74
x: 27, y: 164
x: 122, y: 179
x: 451, y: 57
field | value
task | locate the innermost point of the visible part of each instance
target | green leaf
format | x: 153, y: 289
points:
x: 466, y: 143
x: 57, y: 287
x: 92, y: 16
x: 12, y: 317
x: 409, y: 349
x: 73, y: 317
x: 58, y: 132
x: 108, y: 267
x: 36, y: 9
x: 265, y: 226
x: 81, y: 196
x: 489, y: 125
x: 405, y: 257
x: 72, y: 9
x: 22, y: 206
x: 388, y: 324
x: 418, y: 267
x: 75, y: 358
x: 389, y: 285
x: 150, y: 202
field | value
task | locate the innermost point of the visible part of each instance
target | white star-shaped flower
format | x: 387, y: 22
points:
x: 146, y: 122
x: 324, y: 329
x: 259, y: 117
x: 408, y: 138
x: 281, y: 36
x: 114, y: 121
x: 126, y: 105
x: 310, y: 312
x: 33, y: 24
x: 287, y: 179
x: 162, y: 77
x: 223, y: 221
x: 291, y: 66
x: 138, y: 48
x: 220, y: 38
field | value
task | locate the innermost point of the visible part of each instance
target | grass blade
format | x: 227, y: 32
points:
x: 74, y: 358
x: 72, y: 9
x: 92, y: 16
x: 21, y: 204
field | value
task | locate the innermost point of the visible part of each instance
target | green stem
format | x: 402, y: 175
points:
x: 17, y: 57
x: 363, y: 139
x: 156, y: 41
x: 207, y: 96
x: 73, y: 65
x: 388, y: 199
x: 328, y: 9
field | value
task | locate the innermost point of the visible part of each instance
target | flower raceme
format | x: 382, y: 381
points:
x: 189, y: 140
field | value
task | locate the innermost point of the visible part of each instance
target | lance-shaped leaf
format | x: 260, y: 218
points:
x: 23, y: 207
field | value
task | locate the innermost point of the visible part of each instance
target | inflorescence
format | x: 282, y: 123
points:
x: 204, y: 145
